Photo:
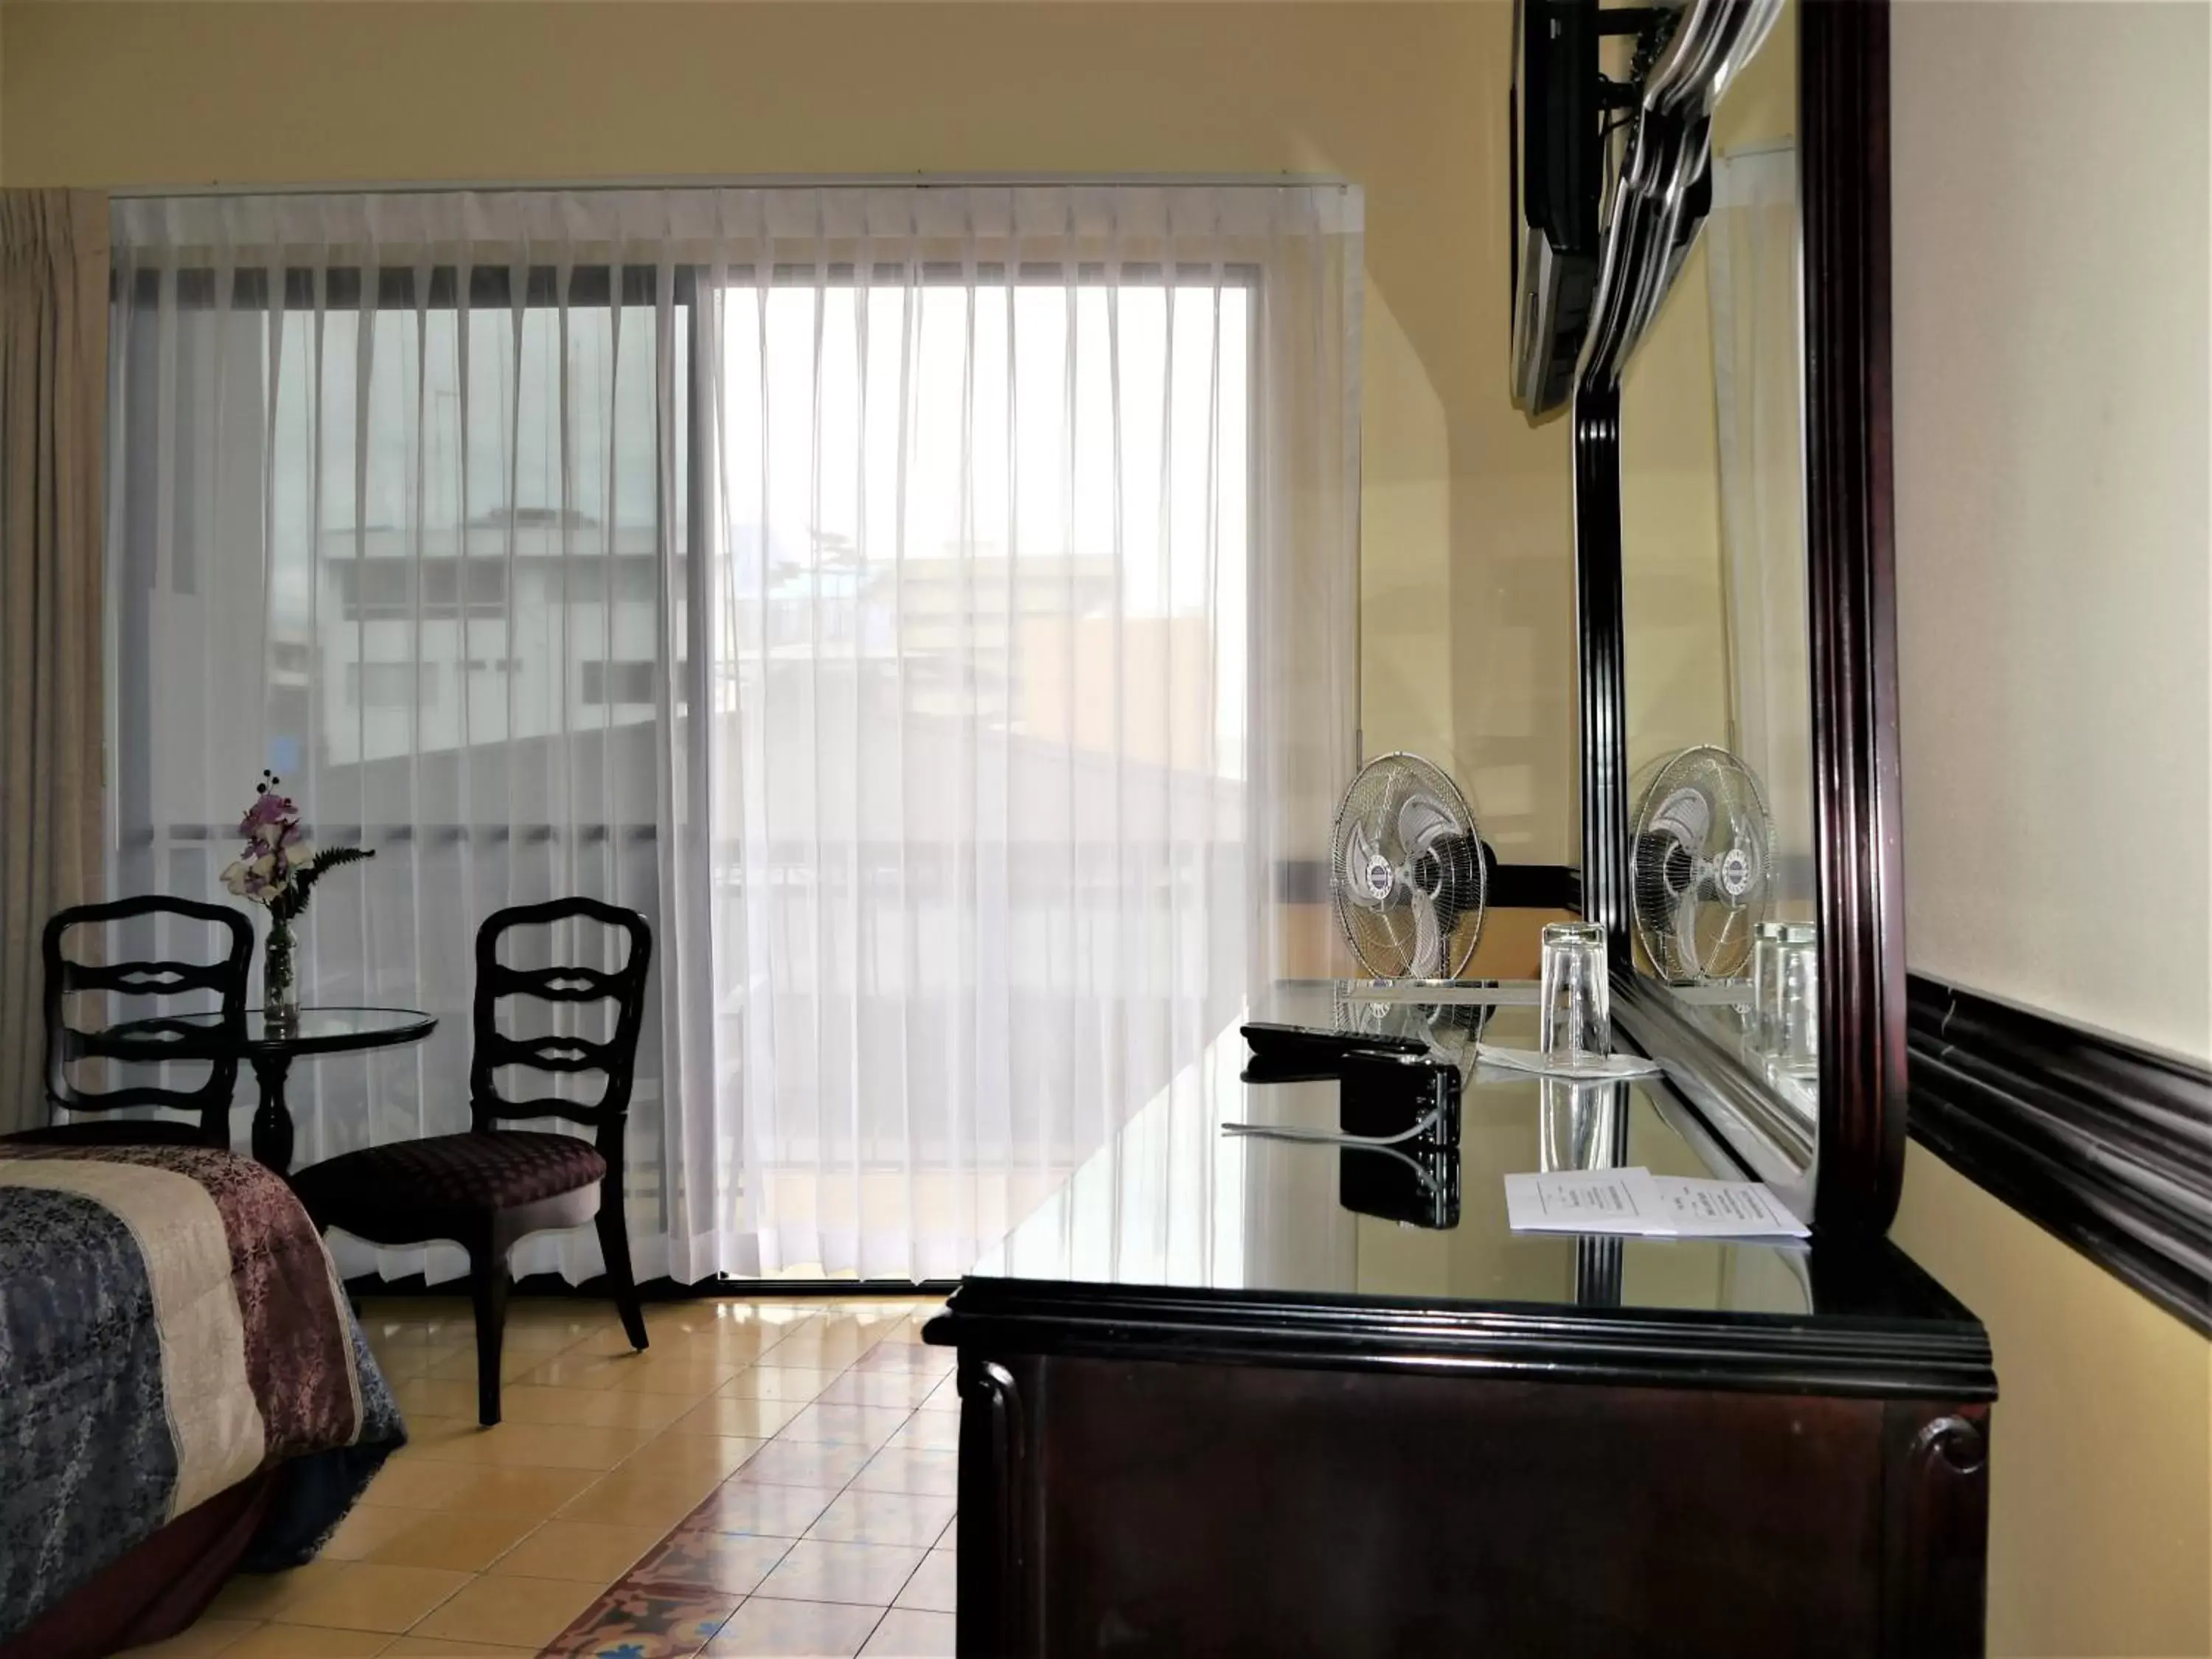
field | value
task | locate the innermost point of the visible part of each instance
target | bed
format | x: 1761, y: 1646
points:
x: 183, y: 1390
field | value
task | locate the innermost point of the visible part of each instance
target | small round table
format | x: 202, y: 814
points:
x: 313, y: 1032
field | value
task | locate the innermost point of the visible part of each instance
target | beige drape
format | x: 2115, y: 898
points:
x: 53, y: 389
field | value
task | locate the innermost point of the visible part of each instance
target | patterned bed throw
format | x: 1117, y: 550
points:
x: 170, y: 1323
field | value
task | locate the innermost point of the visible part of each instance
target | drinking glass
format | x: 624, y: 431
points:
x: 1797, y: 1000
x: 1574, y: 1005
x: 1784, y: 993
x: 1764, y: 939
x: 1581, y: 1126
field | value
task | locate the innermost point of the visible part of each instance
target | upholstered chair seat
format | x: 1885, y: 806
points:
x: 470, y: 1170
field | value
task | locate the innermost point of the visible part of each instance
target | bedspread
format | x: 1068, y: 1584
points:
x: 170, y: 1323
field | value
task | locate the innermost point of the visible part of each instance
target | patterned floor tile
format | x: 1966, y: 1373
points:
x: 708, y: 1563
x: 630, y: 1623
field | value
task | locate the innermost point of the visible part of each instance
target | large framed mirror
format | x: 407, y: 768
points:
x: 1731, y: 420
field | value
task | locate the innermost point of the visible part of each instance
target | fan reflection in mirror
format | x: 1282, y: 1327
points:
x: 1702, y: 878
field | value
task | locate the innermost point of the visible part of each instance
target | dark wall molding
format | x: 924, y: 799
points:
x: 2105, y: 1144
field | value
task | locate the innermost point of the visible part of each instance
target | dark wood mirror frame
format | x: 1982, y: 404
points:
x: 1850, y: 1179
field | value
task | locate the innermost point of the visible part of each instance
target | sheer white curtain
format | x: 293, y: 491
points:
x: 932, y: 607
x: 1752, y: 259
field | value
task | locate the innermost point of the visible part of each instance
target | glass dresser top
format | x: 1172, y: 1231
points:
x: 1171, y: 1202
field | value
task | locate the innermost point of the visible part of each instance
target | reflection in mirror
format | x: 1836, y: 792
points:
x: 1718, y: 675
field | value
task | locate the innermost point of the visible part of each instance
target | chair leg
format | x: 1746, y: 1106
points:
x: 614, y: 1250
x: 488, y: 1284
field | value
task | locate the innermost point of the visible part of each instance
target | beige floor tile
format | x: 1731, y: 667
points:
x: 726, y: 1454
x: 801, y: 1463
x: 403, y: 1364
x: 467, y: 1541
x: 816, y: 1570
x: 436, y: 1396
x: 739, y: 1505
x: 908, y: 1356
x: 364, y: 1528
x: 645, y: 1497
x: 529, y: 1402
x: 817, y: 1351
x: 200, y: 1640
x: 436, y: 1647
x: 793, y: 1630
x: 929, y: 1431
x: 308, y: 1642
x: 369, y: 1595
x: 755, y: 1420
x: 911, y: 1519
x: 826, y: 1425
x: 897, y: 1469
x: 460, y: 1364
x: 790, y: 1383
x: 741, y: 1343
x: 644, y: 1373
x: 591, y: 1552
x: 259, y: 1596
x: 414, y: 1483
x: 537, y: 1445
x: 898, y: 1389
x: 934, y: 1587
x: 429, y: 1434
x: 520, y: 1490
x: 546, y: 1336
x: 905, y: 1633
x: 517, y: 1612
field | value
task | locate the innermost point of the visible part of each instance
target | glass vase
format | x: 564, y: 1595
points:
x: 280, y: 986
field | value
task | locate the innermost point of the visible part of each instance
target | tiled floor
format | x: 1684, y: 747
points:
x: 768, y: 1478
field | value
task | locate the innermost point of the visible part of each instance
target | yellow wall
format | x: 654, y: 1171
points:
x: 2052, y: 267
x: 1466, y: 590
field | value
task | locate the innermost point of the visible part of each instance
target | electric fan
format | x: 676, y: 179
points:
x: 1407, y: 871
x: 1699, y: 865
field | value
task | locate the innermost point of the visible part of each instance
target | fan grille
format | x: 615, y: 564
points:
x: 1408, y: 876
x: 1701, y: 865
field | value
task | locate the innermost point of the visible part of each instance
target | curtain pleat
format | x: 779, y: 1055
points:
x: 930, y: 606
x: 53, y: 396
x: 1752, y: 284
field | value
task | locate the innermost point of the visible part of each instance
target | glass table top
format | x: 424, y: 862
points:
x: 328, y: 1029
x: 1171, y: 1202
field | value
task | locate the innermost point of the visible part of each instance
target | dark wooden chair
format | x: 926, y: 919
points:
x: 488, y: 1187
x: 217, y: 1043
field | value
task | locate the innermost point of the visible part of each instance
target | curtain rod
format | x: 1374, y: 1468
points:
x: 736, y: 181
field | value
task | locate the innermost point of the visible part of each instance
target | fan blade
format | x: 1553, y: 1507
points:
x: 1428, y: 939
x: 1420, y: 821
x: 1685, y: 932
x: 1687, y: 815
x: 1361, y: 856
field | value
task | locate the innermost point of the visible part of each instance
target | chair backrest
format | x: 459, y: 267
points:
x: 616, y: 1057
x: 158, y: 1037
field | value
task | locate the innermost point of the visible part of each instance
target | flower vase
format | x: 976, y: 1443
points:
x: 280, y: 989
